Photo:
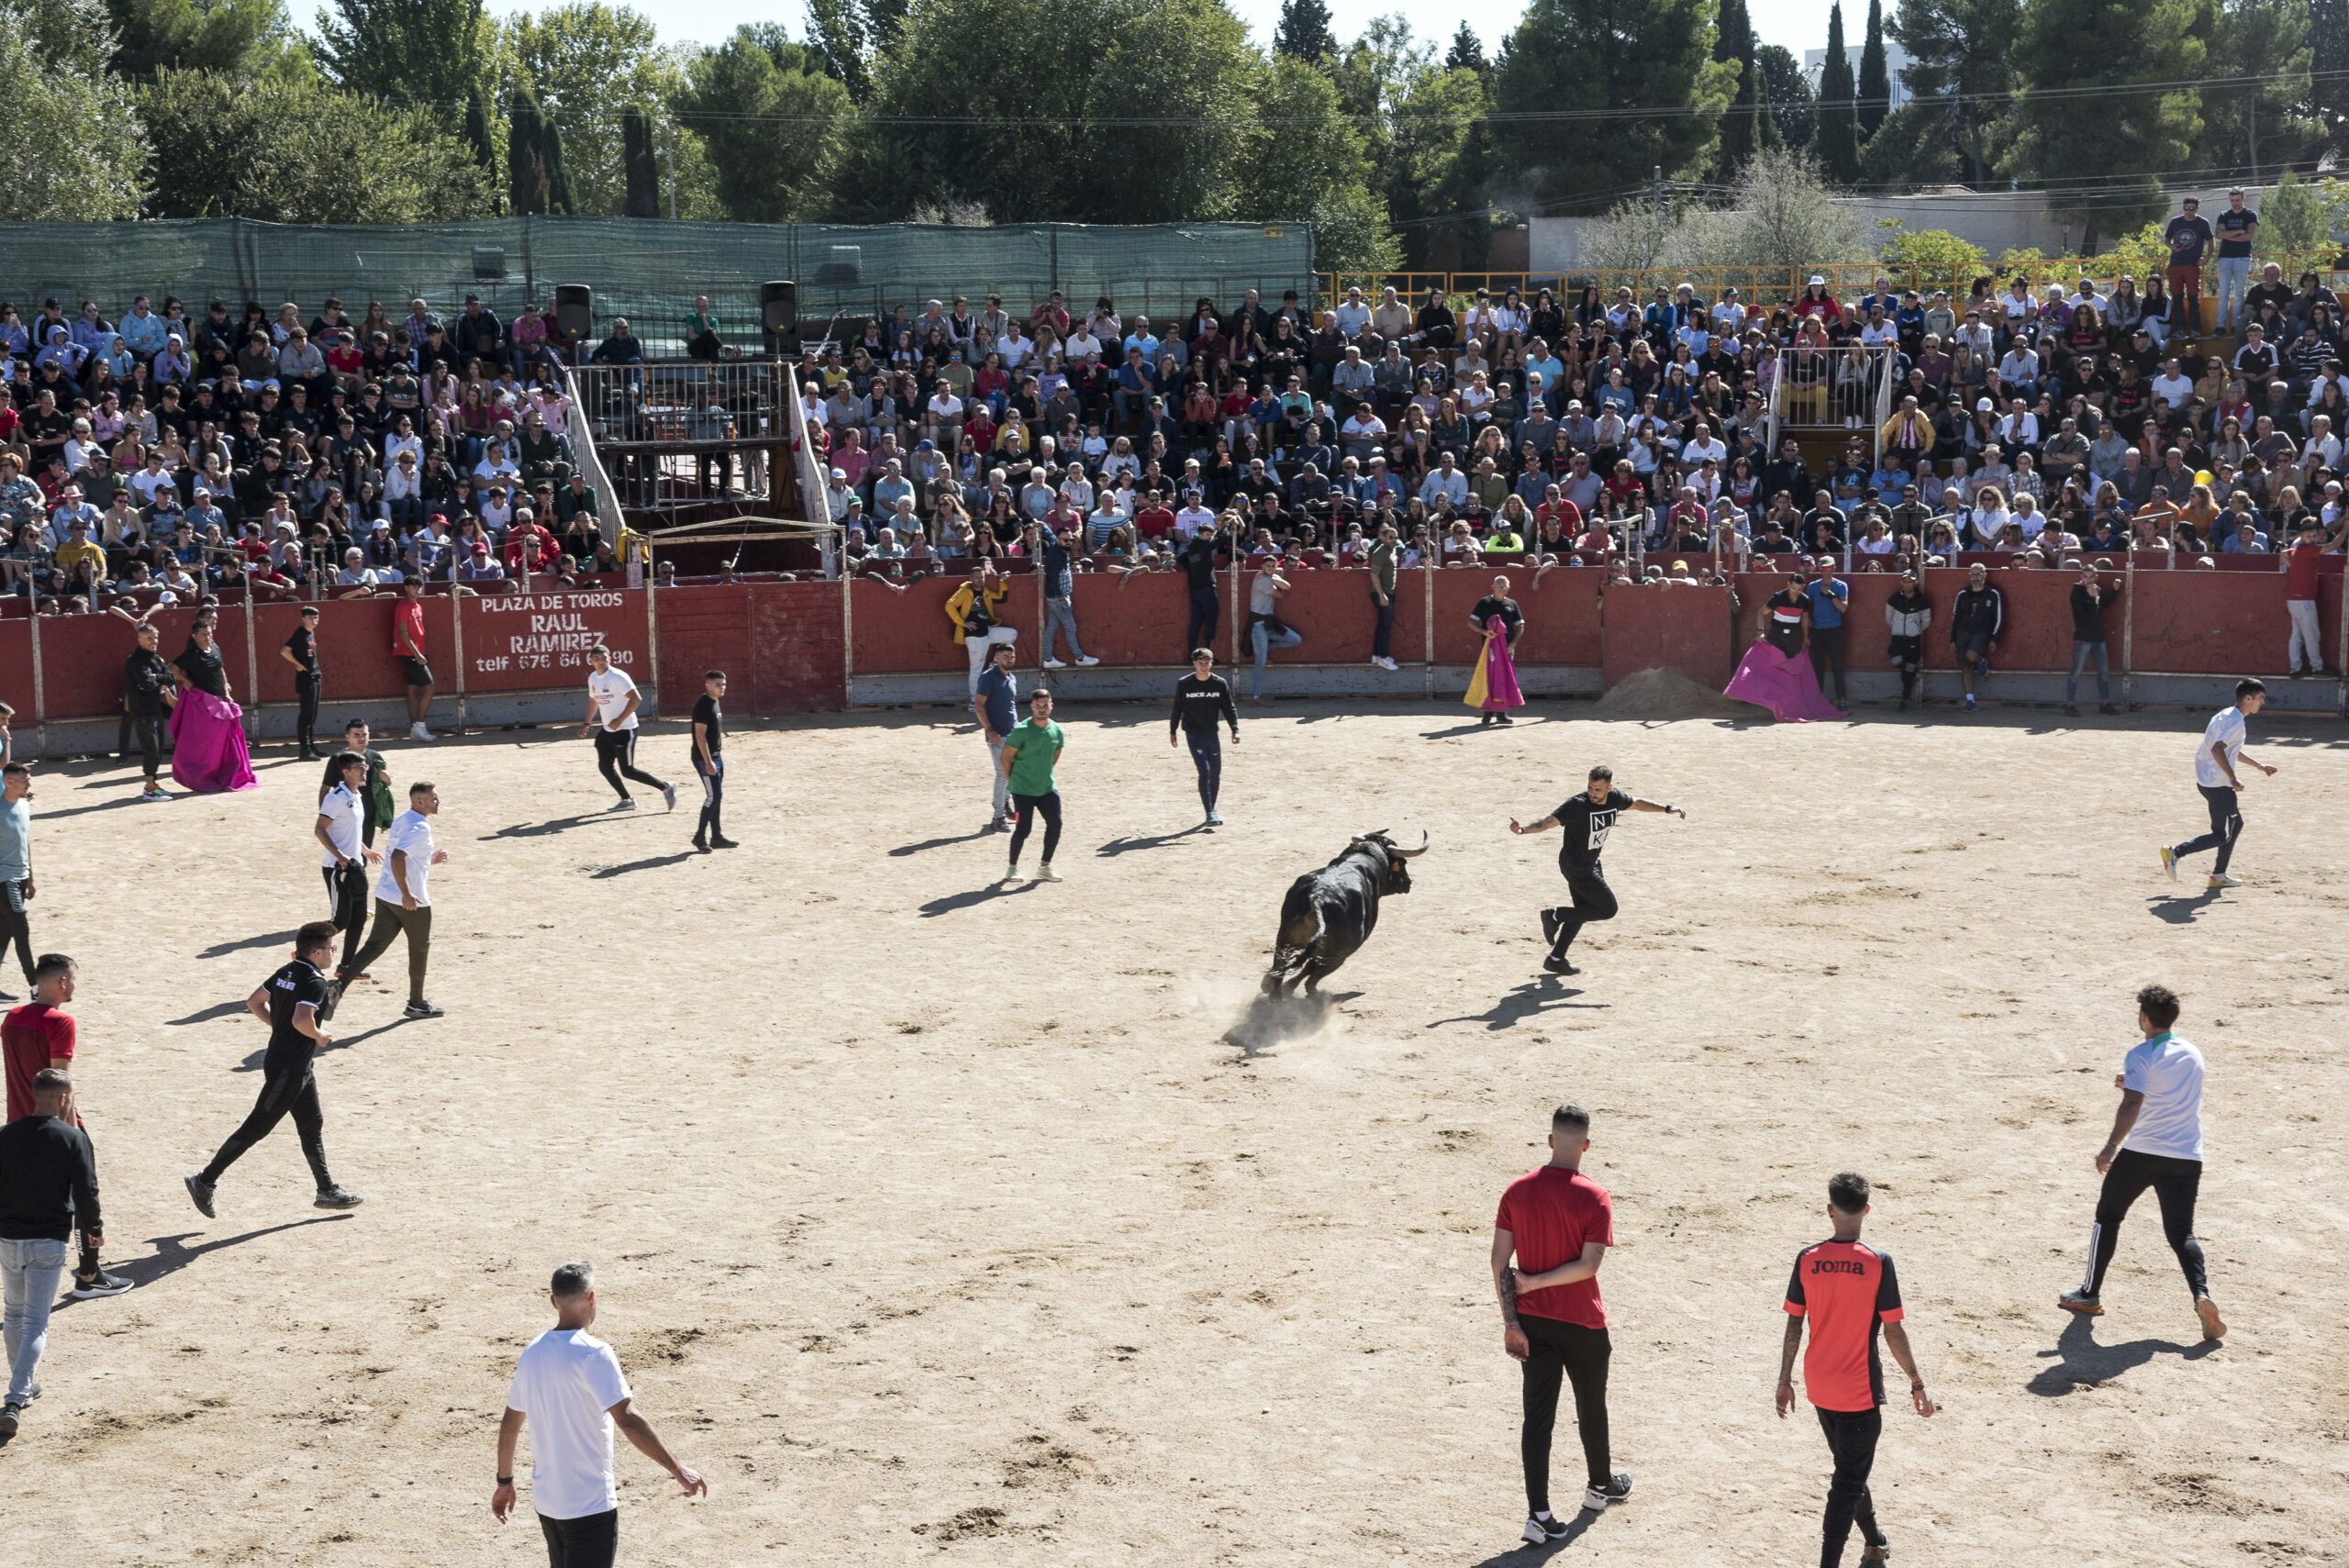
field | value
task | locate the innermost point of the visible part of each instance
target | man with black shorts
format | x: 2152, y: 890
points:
x: 345, y: 853
x: 301, y: 650
x: 408, y: 644
x: 2157, y: 1142
x: 1202, y: 700
x: 612, y: 702
x: 1559, y: 1224
x: 2215, y: 776
x: 709, y: 760
x: 1588, y: 818
x: 288, y: 1002
x: 1976, y: 618
x: 1849, y: 1293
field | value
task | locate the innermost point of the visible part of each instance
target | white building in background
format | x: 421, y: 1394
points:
x: 1896, y: 63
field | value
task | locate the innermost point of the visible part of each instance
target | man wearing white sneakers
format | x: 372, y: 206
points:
x: 2215, y: 776
x: 612, y: 702
x: 2157, y: 1142
x: 409, y: 647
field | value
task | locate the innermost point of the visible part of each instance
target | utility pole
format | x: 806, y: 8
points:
x: 1659, y: 193
x: 671, y: 151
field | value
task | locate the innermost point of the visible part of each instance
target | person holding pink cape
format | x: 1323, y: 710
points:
x: 1493, y: 687
x: 1775, y: 672
x: 208, y: 733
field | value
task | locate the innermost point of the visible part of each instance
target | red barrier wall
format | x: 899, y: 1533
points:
x: 2038, y: 631
x: 1561, y: 616
x: 1672, y: 628
x: 1331, y: 609
x: 779, y: 644
x: 521, y: 642
x: 355, y: 650
x: 16, y: 668
x: 899, y: 631
x: 1141, y: 619
x: 2205, y: 623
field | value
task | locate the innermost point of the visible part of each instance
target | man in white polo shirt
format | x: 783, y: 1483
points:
x: 612, y: 702
x: 2157, y: 1142
x: 569, y: 1387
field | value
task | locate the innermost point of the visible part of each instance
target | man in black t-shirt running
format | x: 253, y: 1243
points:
x: 288, y: 1002
x: 1588, y: 818
x: 709, y: 760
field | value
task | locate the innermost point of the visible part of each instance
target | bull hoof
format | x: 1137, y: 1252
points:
x: 1272, y: 985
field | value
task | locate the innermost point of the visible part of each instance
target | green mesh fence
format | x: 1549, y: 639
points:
x: 649, y: 269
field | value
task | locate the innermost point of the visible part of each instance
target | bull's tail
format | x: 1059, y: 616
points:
x: 1301, y: 930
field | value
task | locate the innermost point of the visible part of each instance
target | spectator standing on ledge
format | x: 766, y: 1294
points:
x: 48, y: 1185
x: 2188, y: 236
x: 408, y: 644
x: 1059, y: 587
x: 2214, y: 775
x: 2301, y: 568
x: 976, y: 611
x: 2090, y: 598
x: 569, y: 1387
x: 1558, y: 1223
x: 1975, y: 619
x: 1202, y: 699
x: 1266, y: 628
x: 1829, y: 596
x: 1848, y: 1292
x: 996, y: 704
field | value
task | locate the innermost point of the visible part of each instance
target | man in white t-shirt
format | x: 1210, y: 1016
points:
x: 402, y: 903
x: 2215, y: 776
x: 344, y: 852
x: 612, y: 700
x: 2157, y: 1142
x: 569, y: 1387
x: 1194, y: 516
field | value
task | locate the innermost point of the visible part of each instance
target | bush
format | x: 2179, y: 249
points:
x: 1935, y: 258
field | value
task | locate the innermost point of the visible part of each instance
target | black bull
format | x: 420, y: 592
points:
x: 1330, y: 913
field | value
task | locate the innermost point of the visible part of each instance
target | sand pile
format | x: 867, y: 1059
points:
x: 1669, y: 694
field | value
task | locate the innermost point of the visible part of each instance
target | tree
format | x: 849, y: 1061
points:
x: 58, y: 172
x: 846, y: 34
x: 1467, y: 52
x: 247, y: 36
x: 585, y: 62
x: 2075, y: 127
x: 1933, y: 259
x: 422, y: 53
x: 1838, y: 140
x: 643, y: 175
x: 1875, y: 82
x: 1603, y: 53
x: 284, y: 151
x: 2329, y: 66
x: 534, y: 180
x: 1792, y: 110
x: 1742, y: 125
x: 1305, y: 163
x: 1778, y: 214
x: 477, y: 137
x: 1095, y: 111
x: 1961, y: 68
x: 771, y: 117
x: 2268, y: 118
x: 1304, y: 32
x: 2297, y: 215
x: 1423, y: 129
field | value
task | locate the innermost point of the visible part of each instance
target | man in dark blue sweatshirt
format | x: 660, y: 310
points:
x: 49, y: 1183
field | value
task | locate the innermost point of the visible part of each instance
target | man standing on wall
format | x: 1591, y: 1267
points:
x: 407, y: 645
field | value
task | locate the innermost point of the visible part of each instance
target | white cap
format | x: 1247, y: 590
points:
x: 1817, y: 278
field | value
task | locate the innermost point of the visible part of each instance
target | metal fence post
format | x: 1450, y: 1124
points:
x: 1426, y: 615
x: 41, y: 688
x: 252, y: 658
x: 2128, y: 634
x: 456, y: 636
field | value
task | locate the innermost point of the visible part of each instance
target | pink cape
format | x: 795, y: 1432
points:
x: 208, y: 753
x: 1500, y: 671
x: 1787, y: 687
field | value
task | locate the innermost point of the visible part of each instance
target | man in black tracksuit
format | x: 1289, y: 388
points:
x: 1975, y: 622
x: 1202, y: 699
x: 1207, y: 604
x: 49, y: 1186
x: 1588, y: 818
x: 147, y: 689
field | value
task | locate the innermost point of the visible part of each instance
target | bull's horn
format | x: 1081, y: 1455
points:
x: 1408, y: 854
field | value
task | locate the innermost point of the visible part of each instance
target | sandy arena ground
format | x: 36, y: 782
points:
x: 941, y: 1224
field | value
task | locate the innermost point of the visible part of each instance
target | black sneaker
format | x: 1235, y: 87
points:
x: 1507, y: 719
x: 421, y: 1010
x: 105, y: 1284
x: 1550, y: 927
x: 723, y: 842
x: 337, y: 1197
x: 2071, y: 710
x: 1598, y: 1499
x: 8, y: 1414
x: 1541, y: 1532
x: 200, y: 1191
x: 1556, y: 965
x: 2107, y: 707
x: 702, y: 845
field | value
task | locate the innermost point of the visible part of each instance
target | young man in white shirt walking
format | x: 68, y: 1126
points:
x: 2157, y: 1142
x: 2215, y: 776
x: 403, y: 902
x: 569, y: 1387
x: 612, y: 702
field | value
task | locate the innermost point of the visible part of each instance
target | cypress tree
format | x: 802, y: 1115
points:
x: 643, y: 177
x: 1876, y: 82
x: 526, y: 191
x: 1745, y: 126
x: 1838, y: 140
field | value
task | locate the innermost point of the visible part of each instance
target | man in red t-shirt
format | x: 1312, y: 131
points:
x: 2299, y: 600
x: 1848, y: 1291
x: 41, y: 1035
x: 1559, y: 1223
x: 407, y: 645
x: 1154, y: 522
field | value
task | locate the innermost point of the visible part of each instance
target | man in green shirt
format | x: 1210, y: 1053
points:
x: 1384, y: 556
x: 1029, y: 753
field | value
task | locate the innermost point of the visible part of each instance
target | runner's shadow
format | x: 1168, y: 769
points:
x: 1154, y: 841
x: 2087, y: 1364
x: 1547, y: 995
x: 172, y: 1254
x: 342, y: 1042
x: 903, y: 849
x: 219, y: 1010
x: 647, y: 864
x: 552, y: 825
x: 2180, y: 910
x: 1515, y: 1556
x: 1456, y: 729
x: 951, y: 902
x: 102, y: 805
x: 274, y: 939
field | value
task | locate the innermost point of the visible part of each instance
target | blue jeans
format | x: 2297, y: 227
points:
x: 2234, y: 281
x: 1057, y: 614
x: 2081, y: 652
x: 31, y: 1272
x: 1263, y: 640
x: 1002, y: 783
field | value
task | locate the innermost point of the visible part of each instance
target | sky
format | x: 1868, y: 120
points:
x: 1796, y: 26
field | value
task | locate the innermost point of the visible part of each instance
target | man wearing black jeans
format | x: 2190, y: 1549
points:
x: 1384, y: 556
x: 1207, y: 603
x: 612, y: 702
x: 2215, y: 776
x: 288, y: 1002
x: 1558, y: 1223
x: 301, y: 650
x: 147, y: 690
x: 1829, y: 597
x: 1586, y: 820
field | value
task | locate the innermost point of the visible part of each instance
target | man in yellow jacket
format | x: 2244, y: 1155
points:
x: 976, y: 610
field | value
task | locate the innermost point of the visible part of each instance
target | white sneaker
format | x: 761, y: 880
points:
x: 1054, y: 664
x: 418, y: 732
x: 621, y: 805
x: 1385, y: 663
x: 1088, y: 660
x: 2220, y: 879
x: 1046, y: 874
x: 1011, y: 874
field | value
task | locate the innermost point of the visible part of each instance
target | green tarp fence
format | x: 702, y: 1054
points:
x: 647, y: 270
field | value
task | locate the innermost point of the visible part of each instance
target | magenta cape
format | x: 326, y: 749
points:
x: 1500, y: 670
x: 1787, y: 687
x: 208, y: 753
